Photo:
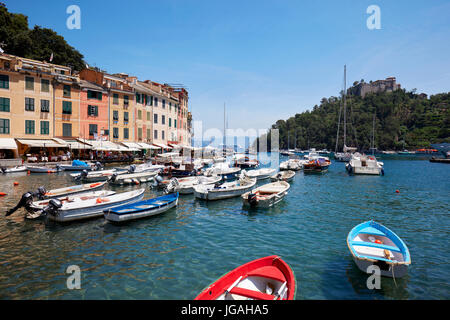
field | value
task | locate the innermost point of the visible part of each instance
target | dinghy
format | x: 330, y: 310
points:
x: 371, y: 243
x: 141, y: 209
x: 41, y: 169
x: 83, y: 207
x: 186, y: 185
x: 268, y: 278
x: 260, y: 174
x: 42, y: 193
x: 225, y: 190
x: 78, y: 165
x: 266, y: 195
x: 283, y: 176
x: 132, y: 178
x: 14, y: 169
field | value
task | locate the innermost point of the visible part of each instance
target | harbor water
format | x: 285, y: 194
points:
x: 177, y: 254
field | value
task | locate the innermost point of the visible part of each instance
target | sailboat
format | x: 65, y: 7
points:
x: 346, y: 155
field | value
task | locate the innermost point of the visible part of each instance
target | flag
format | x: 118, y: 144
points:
x: 51, y: 57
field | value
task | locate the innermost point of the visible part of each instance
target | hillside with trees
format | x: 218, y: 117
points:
x: 403, y: 120
x: 38, y: 43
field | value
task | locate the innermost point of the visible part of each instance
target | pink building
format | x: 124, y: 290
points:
x: 94, y: 114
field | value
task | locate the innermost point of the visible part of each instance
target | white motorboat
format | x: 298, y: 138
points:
x: 41, y: 169
x: 144, y: 167
x: 186, y: 185
x: 259, y: 174
x: 292, y: 164
x: 77, y: 189
x: 132, y: 178
x: 363, y: 164
x: 224, y: 190
x: 222, y: 169
x: 266, y: 195
x: 41, y: 204
x: 287, y: 176
x: 14, y: 169
x: 95, y: 176
x: 83, y: 207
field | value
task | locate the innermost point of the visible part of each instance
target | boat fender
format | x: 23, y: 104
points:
x: 52, y: 207
x: 16, y: 183
x: 25, y: 201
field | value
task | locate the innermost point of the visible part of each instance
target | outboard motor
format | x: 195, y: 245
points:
x: 172, y: 185
x: 252, y: 200
x: 52, y: 207
x: 83, y: 174
x: 132, y: 168
x: 58, y: 168
x: 158, y: 179
x: 25, y: 201
x: 3, y: 169
x: 41, y: 191
x: 113, y: 177
x: 98, y: 166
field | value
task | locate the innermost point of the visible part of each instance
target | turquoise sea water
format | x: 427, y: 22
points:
x: 177, y: 254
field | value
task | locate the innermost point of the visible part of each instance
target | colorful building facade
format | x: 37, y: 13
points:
x: 40, y: 100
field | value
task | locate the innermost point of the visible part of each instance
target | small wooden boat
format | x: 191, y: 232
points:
x: 268, y: 278
x: 316, y: 165
x: 260, y: 174
x: 283, y: 176
x: 371, y: 243
x: 41, y: 169
x: 141, y: 209
x: 186, y: 185
x: 83, y: 207
x: 132, y: 178
x: 77, y: 189
x: 225, y: 190
x: 14, y: 169
x: 266, y: 195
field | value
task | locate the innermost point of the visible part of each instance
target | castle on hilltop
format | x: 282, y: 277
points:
x: 362, y: 88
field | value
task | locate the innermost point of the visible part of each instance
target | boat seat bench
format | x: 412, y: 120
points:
x: 374, y: 245
x: 251, y: 294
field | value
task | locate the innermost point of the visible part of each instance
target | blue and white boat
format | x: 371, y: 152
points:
x: 371, y: 243
x: 141, y: 209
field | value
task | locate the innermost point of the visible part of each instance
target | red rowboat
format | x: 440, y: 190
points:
x: 268, y: 278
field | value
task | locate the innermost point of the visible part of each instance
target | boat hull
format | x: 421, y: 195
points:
x: 252, y: 279
x: 115, y: 217
x: 91, y: 212
x: 386, y: 270
x: 78, y: 189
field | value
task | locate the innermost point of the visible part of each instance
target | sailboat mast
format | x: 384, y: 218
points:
x: 345, y: 104
x: 224, y: 134
x: 373, y: 134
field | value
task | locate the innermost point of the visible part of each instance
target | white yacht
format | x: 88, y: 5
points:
x: 363, y: 164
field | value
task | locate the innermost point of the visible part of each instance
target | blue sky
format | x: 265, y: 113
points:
x: 267, y: 60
